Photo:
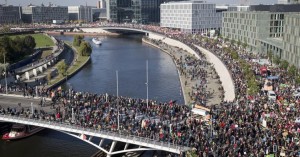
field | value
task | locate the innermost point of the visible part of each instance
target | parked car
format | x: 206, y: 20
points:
x: 271, y: 95
x: 297, y: 92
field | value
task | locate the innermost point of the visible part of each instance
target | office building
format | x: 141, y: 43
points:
x: 10, y: 14
x: 191, y: 16
x: 101, y: 4
x: 264, y: 28
x: 99, y: 14
x: 80, y: 13
x: 134, y: 11
x: 238, y: 8
x: 44, y: 14
x: 291, y: 39
x: 288, y: 1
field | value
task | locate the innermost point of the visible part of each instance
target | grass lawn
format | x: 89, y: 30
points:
x: 46, y: 52
x: 41, y: 40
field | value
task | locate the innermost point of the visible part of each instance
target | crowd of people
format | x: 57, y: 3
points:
x: 251, y: 125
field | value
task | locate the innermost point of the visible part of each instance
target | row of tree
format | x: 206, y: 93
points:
x: 16, y: 49
x: 85, y: 48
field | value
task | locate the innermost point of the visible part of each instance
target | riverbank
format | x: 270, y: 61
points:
x: 81, y: 33
x: 189, y: 84
x: 77, y: 64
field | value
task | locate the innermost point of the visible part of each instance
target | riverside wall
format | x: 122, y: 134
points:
x: 220, y: 67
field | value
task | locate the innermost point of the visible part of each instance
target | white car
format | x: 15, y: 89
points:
x: 297, y: 92
x: 271, y: 95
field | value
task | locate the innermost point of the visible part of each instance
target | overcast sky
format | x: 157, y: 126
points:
x: 94, y: 2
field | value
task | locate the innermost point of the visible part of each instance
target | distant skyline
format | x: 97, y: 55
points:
x: 93, y: 2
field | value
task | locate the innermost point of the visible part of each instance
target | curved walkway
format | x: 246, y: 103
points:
x: 223, y: 72
x: 221, y: 69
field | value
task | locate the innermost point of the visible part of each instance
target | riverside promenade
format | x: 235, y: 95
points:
x: 196, y: 75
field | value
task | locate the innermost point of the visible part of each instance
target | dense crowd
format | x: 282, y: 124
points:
x: 251, y: 125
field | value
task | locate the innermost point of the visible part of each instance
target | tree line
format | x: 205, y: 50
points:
x: 16, y: 49
x: 85, y: 48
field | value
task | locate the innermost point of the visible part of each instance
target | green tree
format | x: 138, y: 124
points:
x: 244, y: 45
x: 239, y: 43
x: 77, y: 40
x: 62, y: 68
x: 284, y: 64
x: 276, y: 59
x: 270, y: 54
x: 85, y: 49
x: 29, y: 42
x: 18, y: 44
x: 297, y: 80
x: 232, y: 42
x: 292, y: 71
x: 226, y: 39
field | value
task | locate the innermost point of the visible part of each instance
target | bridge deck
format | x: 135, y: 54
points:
x: 141, y: 141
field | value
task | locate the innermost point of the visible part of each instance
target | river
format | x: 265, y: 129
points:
x: 128, y: 56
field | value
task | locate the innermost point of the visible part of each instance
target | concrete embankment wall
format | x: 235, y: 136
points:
x: 220, y: 67
x: 181, y: 82
x: 173, y: 42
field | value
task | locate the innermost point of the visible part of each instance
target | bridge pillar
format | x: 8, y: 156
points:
x: 126, y: 146
x: 100, y: 144
x: 112, y: 146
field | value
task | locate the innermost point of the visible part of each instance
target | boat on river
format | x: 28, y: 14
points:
x: 19, y: 131
x: 97, y: 41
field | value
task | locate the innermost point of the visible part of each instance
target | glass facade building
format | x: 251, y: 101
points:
x: 134, y: 11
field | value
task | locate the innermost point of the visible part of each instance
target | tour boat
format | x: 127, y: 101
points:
x: 97, y: 41
x: 19, y: 131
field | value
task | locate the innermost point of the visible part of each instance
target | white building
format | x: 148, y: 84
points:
x: 191, y: 16
x: 288, y: 1
x: 44, y: 14
x: 80, y: 13
x: 101, y: 4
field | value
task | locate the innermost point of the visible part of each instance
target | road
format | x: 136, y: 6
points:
x: 13, y: 101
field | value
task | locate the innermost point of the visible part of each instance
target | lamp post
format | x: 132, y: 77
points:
x: 5, y: 73
x: 118, y: 99
x: 147, y: 83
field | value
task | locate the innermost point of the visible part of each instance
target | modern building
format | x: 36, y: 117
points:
x: 44, y: 14
x: 288, y: 1
x: 238, y: 8
x: 10, y: 14
x: 291, y: 39
x: 264, y: 28
x: 191, y: 16
x: 134, y: 11
x: 101, y: 4
x: 81, y: 13
x: 99, y: 14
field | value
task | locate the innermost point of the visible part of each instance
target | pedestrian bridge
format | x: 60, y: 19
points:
x: 75, y: 131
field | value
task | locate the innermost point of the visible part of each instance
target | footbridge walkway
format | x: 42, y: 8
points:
x: 132, y: 143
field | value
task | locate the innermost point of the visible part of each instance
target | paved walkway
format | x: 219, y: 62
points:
x: 187, y: 83
x: 223, y: 72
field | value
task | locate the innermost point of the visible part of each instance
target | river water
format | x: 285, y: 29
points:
x: 128, y: 56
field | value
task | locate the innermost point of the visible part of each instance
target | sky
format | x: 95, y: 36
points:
x: 94, y: 2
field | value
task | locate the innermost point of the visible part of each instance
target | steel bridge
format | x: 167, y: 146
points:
x: 77, y: 132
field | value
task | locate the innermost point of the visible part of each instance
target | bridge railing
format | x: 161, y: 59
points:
x: 65, y: 127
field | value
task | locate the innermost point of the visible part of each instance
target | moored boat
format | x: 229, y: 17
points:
x: 19, y: 131
x: 97, y: 41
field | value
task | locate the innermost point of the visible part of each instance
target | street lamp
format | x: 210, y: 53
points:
x: 5, y: 73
